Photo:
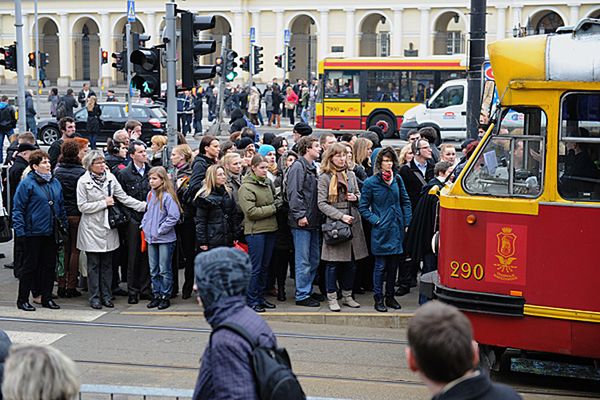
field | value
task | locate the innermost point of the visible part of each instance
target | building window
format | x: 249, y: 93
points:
x: 384, y: 44
x: 455, y: 42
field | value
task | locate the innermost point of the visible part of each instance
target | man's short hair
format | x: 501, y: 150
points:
x: 249, y: 133
x: 305, y: 143
x: 428, y: 133
x: 323, y: 138
x: 441, y: 167
x: 69, y: 92
x: 62, y: 123
x: 440, y: 338
x: 135, y: 143
x: 27, y: 137
x: 346, y: 137
x: 413, y: 131
x: 118, y: 134
x: 4, y: 99
x: 131, y: 124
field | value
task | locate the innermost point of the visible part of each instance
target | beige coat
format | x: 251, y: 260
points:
x: 253, y: 100
x: 342, y: 252
x: 94, y: 233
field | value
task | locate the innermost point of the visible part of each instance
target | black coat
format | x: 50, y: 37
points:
x: 199, y: 167
x: 423, y: 222
x: 94, y: 124
x: 116, y: 163
x: 216, y: 219
x: 68, y: 174
x: 135, y: 185
x: 478, y: 388
x: 70, y: 103
x: 414, y: 184
x: 15, y: 173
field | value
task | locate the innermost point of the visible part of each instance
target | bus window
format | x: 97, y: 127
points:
x: 382, y: 86
x: 416, y: 86
x: 451, y: 96
x: 342, y: 84
x: 511, y: 163
x: 579, y: 147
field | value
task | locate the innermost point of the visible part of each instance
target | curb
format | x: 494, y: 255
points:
x: 370, y: 320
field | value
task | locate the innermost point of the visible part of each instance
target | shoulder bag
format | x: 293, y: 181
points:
x: 117, y: 217
x: 337, y: 231
x: 59, y: 230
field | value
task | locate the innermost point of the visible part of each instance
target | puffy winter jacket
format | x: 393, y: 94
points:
x: 217, y: 221
x: 68, y: 175
x: 32, y: 215
x: 199, y: 167
x: 257, y: 201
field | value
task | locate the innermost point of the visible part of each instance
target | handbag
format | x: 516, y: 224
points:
x: 289, y: 105
x: 6, y: 234
x: 59, y: 230
x: 337, y: 231
x: 117, y: 217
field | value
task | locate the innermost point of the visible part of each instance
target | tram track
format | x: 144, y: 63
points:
x: 337, y: 378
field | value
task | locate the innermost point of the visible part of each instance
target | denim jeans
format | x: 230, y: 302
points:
x: 385, y: 271
x: 159, y: 257
x: 260, y: 250
x: 307, y: 249
x: 31, y: 125
x: 346, y: 271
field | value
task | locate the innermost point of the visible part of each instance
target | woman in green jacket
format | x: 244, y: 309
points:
x: 259, y: 205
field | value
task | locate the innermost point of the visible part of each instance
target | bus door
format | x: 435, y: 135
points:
x: 341, y: 102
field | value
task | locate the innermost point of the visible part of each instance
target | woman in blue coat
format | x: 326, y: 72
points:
x: 385, y: 204
x: 38, y: 199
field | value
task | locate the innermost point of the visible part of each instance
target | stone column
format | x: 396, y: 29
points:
x: 424, y: 36
x: 28, y: 47
x: 64, y: 42
x: 323, y: 44
x: 500, y: 22
x: 152, y: 28
x: 279, y: 31
x: 516, y: 16
x: 574, y: 15
x: 255, y: 18
x: 238, y: 32
x: 397, y: 32
x: 106, y: 44
x: 349, y: 50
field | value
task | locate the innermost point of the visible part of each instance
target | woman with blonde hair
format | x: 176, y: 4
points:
x: 363, y: 148
x: 158, y: 143
x: 448, y: 153
x: 217, y: 220
x: 158, y: 224
x: 39, y: 372
x: 181, y: 159
x: 406, y: 155
x: 358, y: 169
x: 93, y: 120
x: 338, y: 198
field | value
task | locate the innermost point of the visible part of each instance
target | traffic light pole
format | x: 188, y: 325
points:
x: 37, y: 57
x: 170, y: 40
x: 224, y: 45
x: 99, y: 74
x: 20, y: 63
x: 129, y: 65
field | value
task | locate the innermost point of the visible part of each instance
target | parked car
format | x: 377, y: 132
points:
x: 152, y: 117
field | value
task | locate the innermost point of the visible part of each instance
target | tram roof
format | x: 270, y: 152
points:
x: 570, y: 55
x: 393, y: 63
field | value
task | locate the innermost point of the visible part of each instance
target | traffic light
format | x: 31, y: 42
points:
x: 256, y: 55
x: 219, y: 65
x: 191, y: 48
x: 138, y: 40
x: 290, y: 58
x: 146, y: 65
x: 279, y: 60
x: 10, y: 57
x: 104, y: 55
x: 44, y: 59
x: 230, y: 65
x: 120, y: 63
x: 245, y: 63
x: 31, y: 59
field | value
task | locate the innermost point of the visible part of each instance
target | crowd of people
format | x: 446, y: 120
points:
x: 348, y: 215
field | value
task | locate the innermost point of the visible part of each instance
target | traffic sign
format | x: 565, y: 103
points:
x: 287, y: 35
x: 487, y: 71
x: 131, y: 10
x: 252, y: 34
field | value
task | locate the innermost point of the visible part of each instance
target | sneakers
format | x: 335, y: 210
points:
x: 154, y: 302
x: 308, y: 302
x: 333, y: 303
x: 164, y: 303
x: 258, y: 308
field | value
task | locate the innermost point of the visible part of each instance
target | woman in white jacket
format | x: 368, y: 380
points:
x: 95, y: 236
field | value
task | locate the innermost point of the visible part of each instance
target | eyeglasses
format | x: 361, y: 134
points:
x: 424, y: 147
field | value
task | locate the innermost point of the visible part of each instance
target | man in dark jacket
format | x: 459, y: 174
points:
x: 84, y: 94
x: 441, y: 350
x: 30, y: 113
x: 8, y: 122
x: 134, y: 181
x: 222, y: 277
x: 66, y: 126
x: 304, y: 219
x: 66, y: 105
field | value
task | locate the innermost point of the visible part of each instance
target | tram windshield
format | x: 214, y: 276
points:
x: 579, y: 147
x: 511, y: 163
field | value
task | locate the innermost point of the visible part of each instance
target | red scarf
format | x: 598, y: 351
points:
x: 387, y: 176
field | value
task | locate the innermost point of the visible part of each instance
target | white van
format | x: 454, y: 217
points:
x: 445, y: 110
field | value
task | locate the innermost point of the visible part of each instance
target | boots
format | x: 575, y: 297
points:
x: 347, y: 299
x: 333, y: 303
x: 379, y: 306
x: 391, y: 302
x: 281, y: 293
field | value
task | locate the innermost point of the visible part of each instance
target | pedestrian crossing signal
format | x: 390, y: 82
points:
x: 104, y: 57
x: 31, y: 58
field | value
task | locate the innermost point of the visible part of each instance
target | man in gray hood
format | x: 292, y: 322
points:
x: 5, y: 344
x: 222, y: 277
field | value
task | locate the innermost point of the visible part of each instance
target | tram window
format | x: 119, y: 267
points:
x: 511, y: 163
x: 382, y: 86
x: 342, y: 84
x: 579, y: 147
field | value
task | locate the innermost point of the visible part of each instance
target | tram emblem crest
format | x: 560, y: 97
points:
x: 506, y: 252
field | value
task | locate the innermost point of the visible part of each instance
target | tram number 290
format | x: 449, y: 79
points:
x: 466, y: 271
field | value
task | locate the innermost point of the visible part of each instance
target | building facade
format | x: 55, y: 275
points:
x: 73, y: 32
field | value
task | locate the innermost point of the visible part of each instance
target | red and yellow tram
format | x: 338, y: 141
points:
x: 520, y: 226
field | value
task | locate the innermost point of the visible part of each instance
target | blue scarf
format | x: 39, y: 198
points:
x: 45, y: 177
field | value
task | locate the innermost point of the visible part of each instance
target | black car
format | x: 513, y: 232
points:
x: 152, y: 117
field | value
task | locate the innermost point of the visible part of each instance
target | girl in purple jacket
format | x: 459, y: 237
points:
x: 158, y: 224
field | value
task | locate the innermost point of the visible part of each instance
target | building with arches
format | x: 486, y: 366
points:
x: 73, y: 32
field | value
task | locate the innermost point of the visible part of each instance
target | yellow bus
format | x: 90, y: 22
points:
x: 359, y: 92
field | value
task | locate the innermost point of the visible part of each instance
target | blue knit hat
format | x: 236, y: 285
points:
x: 265, y: 149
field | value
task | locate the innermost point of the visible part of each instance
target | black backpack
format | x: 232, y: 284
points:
x: 61, y: 109
x: 272, y: 369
